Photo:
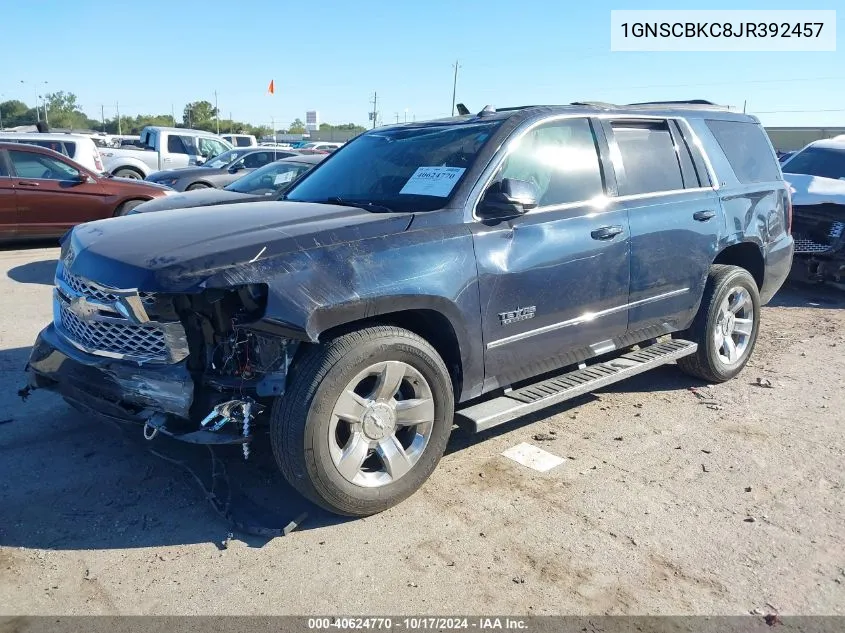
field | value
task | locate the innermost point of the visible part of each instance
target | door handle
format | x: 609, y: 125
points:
x: 606, y: 232
x: 27, y: 183
x: 703, y: 216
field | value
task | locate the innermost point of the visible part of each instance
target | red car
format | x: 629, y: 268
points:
x: 43, y: 193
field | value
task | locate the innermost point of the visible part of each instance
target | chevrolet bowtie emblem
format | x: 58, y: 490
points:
x: 83, y: 310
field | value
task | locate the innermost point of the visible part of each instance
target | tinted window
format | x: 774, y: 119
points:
x: 748, y: 150
x: 404, y: 169
x: 242, y: 141
x: 39, y: 167
x: 826, y: 162
x: 648, y: 156
x: 258, y: 159
x: 560, y: 159
x: 178, y: 144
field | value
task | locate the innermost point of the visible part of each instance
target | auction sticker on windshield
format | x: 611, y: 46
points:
x: 433, y: 181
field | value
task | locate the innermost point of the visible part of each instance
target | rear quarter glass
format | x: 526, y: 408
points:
x: 748, y: 150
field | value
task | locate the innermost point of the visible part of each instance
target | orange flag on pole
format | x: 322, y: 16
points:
x: 271, y: 89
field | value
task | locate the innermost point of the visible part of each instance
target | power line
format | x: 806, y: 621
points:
x: 799, y: 111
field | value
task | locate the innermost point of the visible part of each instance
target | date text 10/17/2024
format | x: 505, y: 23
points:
x: 416, y: 623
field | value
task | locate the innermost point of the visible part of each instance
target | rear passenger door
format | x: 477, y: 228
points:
x: 674, y: 219
x: 181, y: 151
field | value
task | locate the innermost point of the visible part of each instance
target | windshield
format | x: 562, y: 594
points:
x: 270, y: 178
x: 224, y: 159
x: 402, y: 169
x: 826, y: 162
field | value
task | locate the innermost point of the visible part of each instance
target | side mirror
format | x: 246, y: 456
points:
x: 508, y: 199
x: 81, y: 178
x: 236, y: 167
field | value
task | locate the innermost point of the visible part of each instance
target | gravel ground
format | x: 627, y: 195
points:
x: 675, y: 498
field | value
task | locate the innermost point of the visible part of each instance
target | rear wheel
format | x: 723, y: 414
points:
x: 365, y: 420
x: 129, y: 173
x: 726, y: 325
x: 197, y: 185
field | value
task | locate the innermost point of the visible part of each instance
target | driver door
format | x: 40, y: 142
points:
x: 50, y: 197
x: 553, y: 282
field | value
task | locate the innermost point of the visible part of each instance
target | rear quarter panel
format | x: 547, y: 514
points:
x: 754, y: 213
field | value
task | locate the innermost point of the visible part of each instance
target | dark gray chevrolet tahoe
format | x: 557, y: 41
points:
x: 468, y: 270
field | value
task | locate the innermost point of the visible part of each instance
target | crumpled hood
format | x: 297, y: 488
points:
x: 196, y: 198
x: 807, y: 190
x: 182, y: 252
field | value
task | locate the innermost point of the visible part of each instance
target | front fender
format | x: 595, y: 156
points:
x: 312, y: 291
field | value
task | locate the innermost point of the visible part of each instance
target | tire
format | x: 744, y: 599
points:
x: 308, y: 437
x: 127, y: 172
x: 197, y: 185
x: 725, y: 287
x: 127, y: 206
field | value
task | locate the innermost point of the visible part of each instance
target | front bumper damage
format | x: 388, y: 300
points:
x: 158, y: 398
x: 819, y: 232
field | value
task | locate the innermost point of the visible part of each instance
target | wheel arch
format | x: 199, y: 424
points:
x: 747, y: 255
x: 433, y: 318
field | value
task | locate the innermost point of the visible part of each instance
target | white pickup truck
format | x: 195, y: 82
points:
x: 163, y: 148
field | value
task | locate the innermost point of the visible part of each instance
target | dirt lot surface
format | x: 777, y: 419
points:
x: 675, y: 497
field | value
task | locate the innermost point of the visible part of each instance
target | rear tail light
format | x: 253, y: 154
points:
x: 97, y: 162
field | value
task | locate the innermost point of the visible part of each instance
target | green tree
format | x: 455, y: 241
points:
x: 14, y: 113
x: 297, y: 127
x: 199, y: 115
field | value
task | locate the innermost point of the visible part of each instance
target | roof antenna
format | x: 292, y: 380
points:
x: 462, y: 109
x: 487, y: 111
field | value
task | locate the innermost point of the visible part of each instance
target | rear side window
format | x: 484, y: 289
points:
x: 648, y: 156
x: 178, y: 144
x: 242, y: 141
x: 747, y: 149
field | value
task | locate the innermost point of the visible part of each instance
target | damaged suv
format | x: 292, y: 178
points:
x: 471, y: 270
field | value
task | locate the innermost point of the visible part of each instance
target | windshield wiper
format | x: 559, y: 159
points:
x: 369, y: 206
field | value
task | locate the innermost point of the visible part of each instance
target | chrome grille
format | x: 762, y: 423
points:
x: 804, y: 244
x: 93, y: 291
x: 109, y: 322
x: 115, y: 338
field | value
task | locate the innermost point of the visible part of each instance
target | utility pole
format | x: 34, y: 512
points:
x: 374, y: 113
x: 103, y: 116
x: 231, y: 123
x: 117, y: 108
x: 397, y: 116
x: 455, y: 86
x: 35, y: 93
x: 406, y: 115
x: 173, y: 114
x: 216, y: 112
x: 744, y: 102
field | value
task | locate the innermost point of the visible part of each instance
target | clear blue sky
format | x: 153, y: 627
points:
x: 331, y: 56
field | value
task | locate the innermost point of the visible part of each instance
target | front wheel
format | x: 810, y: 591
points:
x: 365, y: 420
x: 725, y: 326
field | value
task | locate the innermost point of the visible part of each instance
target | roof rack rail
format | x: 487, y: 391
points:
x: 703, y: 103
x: 595, y: 104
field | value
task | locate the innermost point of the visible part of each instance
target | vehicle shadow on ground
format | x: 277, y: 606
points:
x: 28, y: 245
x: 69, y: 481
x: 40, y: 272
x: 801, y: 294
